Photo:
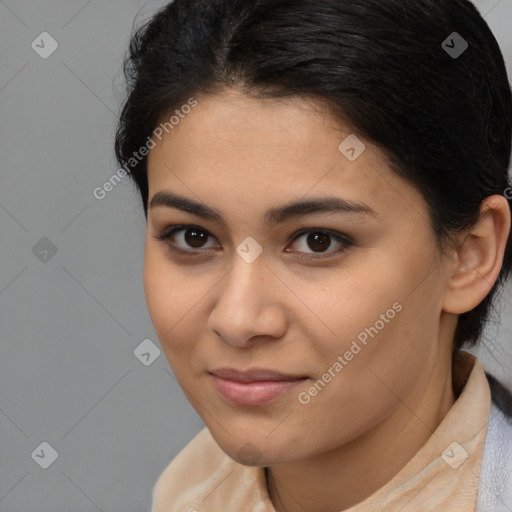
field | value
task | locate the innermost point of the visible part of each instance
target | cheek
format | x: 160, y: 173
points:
x: 357, y: 384
x: 158, y: 294
x: 381, y: 358
x: 351, y: 306
x: 176, y: 299
x: 378, y: 313
x: 168, y: 297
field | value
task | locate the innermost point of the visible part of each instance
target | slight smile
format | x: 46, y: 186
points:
x: 253, y: 387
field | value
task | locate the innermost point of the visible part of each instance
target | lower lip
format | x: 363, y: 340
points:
x: 253, y: 393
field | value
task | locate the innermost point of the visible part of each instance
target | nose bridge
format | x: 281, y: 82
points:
x: 246, y: 306
x: 244, y: 285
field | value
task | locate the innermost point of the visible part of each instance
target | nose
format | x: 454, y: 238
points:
x: 249, y: 305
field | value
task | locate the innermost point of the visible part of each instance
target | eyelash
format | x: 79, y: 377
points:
x: 166, y: 235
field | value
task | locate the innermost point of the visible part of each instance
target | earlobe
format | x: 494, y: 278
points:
x: 479, y: 257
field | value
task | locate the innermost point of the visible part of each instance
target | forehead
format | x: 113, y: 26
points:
x: 241, y: 148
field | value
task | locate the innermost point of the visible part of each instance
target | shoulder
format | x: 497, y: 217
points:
x: 495, y: 485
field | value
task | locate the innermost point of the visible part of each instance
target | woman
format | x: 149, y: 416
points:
x: 324, y: 184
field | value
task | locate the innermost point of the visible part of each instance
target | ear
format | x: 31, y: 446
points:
x: 479, y: 257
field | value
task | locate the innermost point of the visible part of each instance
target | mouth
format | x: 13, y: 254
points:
x: 255, y: 386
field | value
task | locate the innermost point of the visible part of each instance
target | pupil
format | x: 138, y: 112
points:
x: 318, y: 241
x: 195, y: 237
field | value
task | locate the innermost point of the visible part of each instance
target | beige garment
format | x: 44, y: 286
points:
x: 442, y: 476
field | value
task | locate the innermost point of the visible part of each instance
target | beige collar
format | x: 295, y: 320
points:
x: 443, y: 475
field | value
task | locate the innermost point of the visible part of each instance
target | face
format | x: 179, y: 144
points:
x: 287, y: 325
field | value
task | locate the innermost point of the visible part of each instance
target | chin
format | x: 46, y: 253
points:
x: 255, y: 451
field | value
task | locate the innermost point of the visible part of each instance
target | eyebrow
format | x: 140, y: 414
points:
x: 273, y: 216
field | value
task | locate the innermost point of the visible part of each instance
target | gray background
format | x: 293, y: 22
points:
x: 71, y: 321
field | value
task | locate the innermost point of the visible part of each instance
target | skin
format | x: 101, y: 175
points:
x: 284, y: 312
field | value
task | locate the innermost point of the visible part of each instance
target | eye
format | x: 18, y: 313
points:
x: 185, y: 238
x: 193, y: 240
x: 319, y: 241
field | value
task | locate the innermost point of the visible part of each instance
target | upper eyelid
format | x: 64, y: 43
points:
x: 301, y: 232
x: 171, y: 230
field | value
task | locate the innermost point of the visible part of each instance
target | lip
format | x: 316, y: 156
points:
x: 253, y: 387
